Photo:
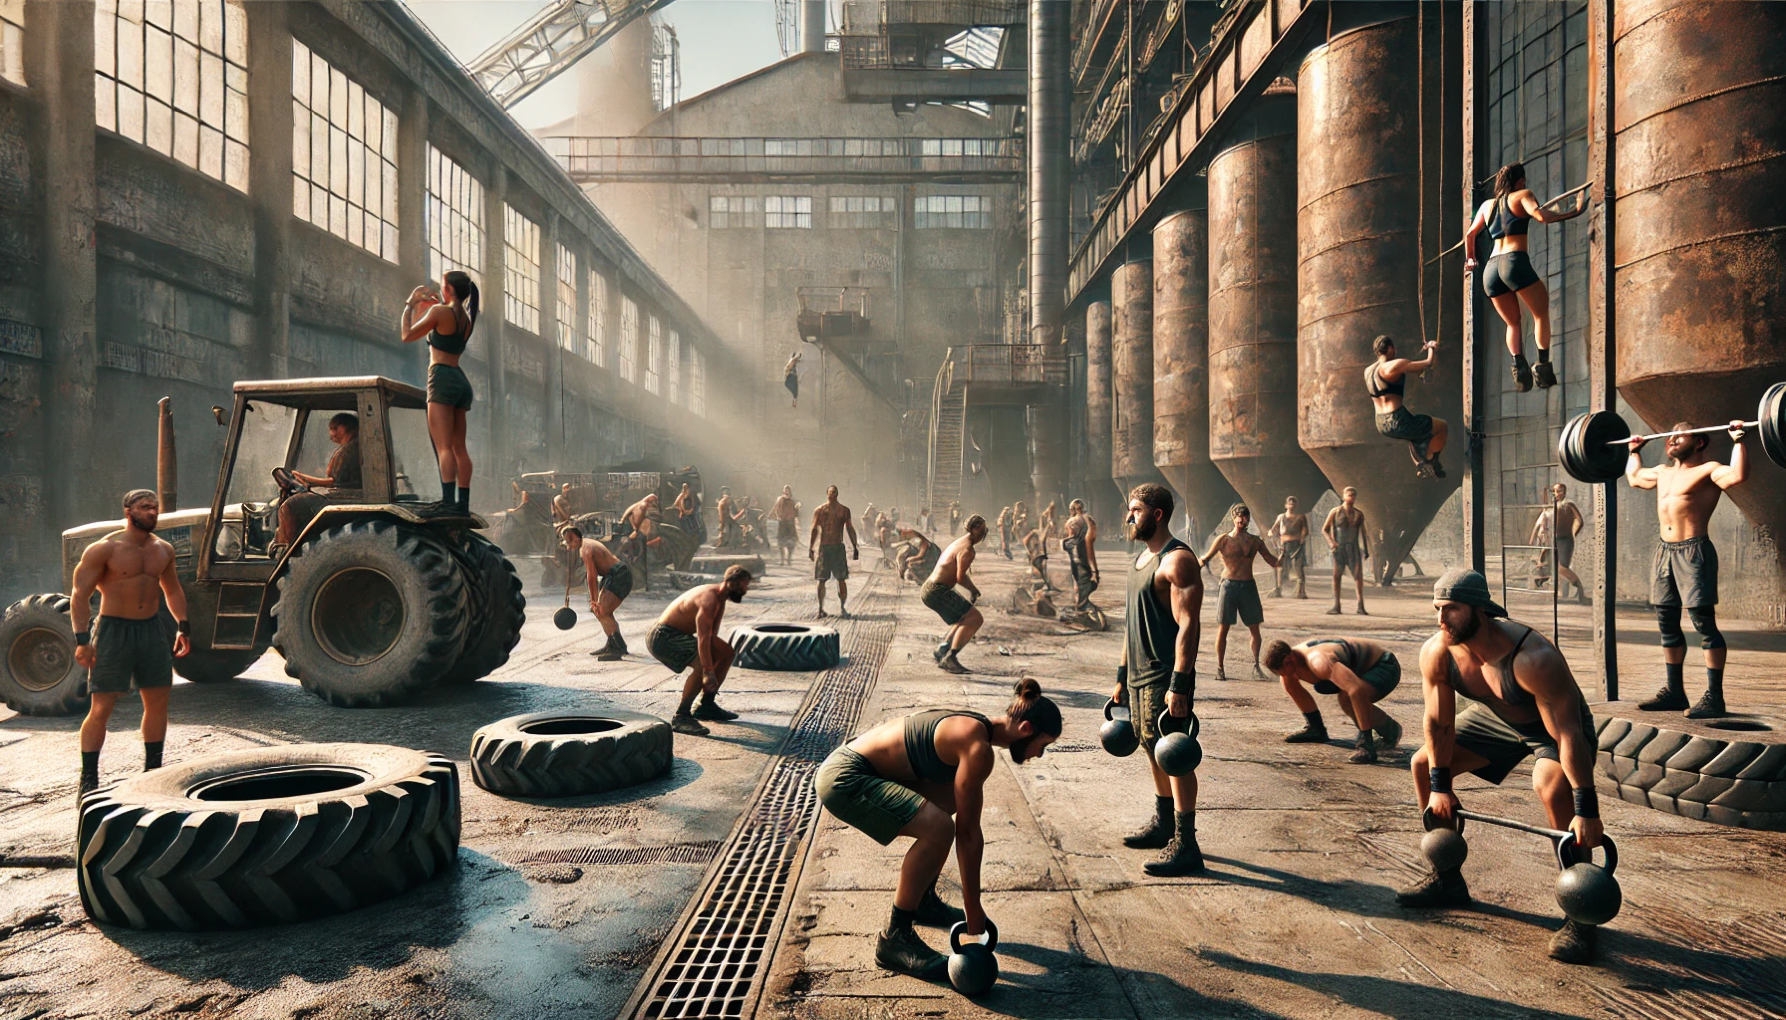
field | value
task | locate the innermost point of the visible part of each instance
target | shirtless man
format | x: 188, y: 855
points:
x: 561, y: 504
x: 642, y: 516
x: 1350, y: 546
x: 1685, y: 570
x: 1019, y: 518
x: 1362, y: 672
x: 1037, y: 548
x: 1159, y: 670
x: 786, y: 515
x: 825, y: 549
x: 1291, y: 532
x: 940, y: 596
x: 727, y: 511
x: 687, y: 634
x: 610, y: 582
x: 1004, y: 531
x: 1570, y: 527
x: 918, y: 558
x: 1240, y: 593
x: 1498, y: 692
x: 133, y: 571
x: 1079, y: 542
x: 1050, y: 523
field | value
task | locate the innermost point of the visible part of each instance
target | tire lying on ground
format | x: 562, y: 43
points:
x: 266, y: 836
x: 38, y: 673
x: 785, y: 647
x: 498, y: 609
x: 564, y: 754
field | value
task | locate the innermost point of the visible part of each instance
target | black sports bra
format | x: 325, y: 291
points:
x: 451, y: 343
x: 1379, y: 387
x: 1504, y: 223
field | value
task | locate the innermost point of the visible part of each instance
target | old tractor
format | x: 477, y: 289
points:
x: 379, y: 595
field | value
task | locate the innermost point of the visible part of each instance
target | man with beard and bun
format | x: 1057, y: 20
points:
x: 1159, y: 669
x: 1685, y: 571
x: 786, y: 515
x: 687, y: 634
x: 1498, y: 692
x: 940, y: 596
x: 825, y: 549
x: 610, y: 582
x: 133, y: 571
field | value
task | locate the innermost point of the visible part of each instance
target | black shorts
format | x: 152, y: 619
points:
x: 1685, y: 573
x: 131, y: 655
x: 1348, y: 557
x: 618, y: 582
x: 945, y: 601
x: 1507, y: 273
x: 1565, y: 552
x: 1240, y: 602
x: 786, y: 532
x: 448, y: 385
x: 672, y: 647
x: 831, y: 563
x: 1406, y: 425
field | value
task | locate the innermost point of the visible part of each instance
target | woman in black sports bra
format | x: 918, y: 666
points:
x: 1386, y: 380
x: 446, y: 320
x: 1508, y: 278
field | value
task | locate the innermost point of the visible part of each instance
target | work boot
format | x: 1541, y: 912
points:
x: 1709, y: 706
x: 1389, y: 734
x: 620, y: 643
x: 1315, y: 732
x: 903, y: 951
x: 88, y: 785
x: 1438, y: 468
x: 1436, y: 890
x: 1522, y: 374
x: 710, y: 711
x: 608, y: 652
x: 1301, y: 592
x: 1545, y: 375
x: 950, y: 664
x: 937, y: 914
x: 1364, y: 751
x: 1182, y: 856
x: 1157, y: 832
x: 1574, y: 942
x: 684, y: 723
x: 1669, y: 698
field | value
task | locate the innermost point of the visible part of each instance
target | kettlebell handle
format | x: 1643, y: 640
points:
x: 1566, y: 848
x: 1110, y: 707
x: 959, y: 930
x: 1191, y: 725
x: 1429, y: 820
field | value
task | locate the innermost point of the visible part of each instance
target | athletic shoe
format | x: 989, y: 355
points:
x: 1522, y: 374
x: 1152, y: 836
x: 1574, y: 943
x: 1389, y: 734
x: 934, y: 912
x: 1545, y: 375
x: 950, y: 664
x: 711, y: 712
x: 684, y: 723
x: 942, y: 649
x: 1360, y: 610
x: 88, y: 785
x: 1335, y: 611
x: 903, y: 951
x: 1313, y: 733
x: 1364, y: 752
x: 1709, y: 706
x: 1669, y: 698
x: 1438, y: 468
x: 1435, y: 891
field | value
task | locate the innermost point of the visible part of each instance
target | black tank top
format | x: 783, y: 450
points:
x: 1504, y: 223
x: 920, y: 743
x: 1377, y: 386
x: 1509, y: 690
x: 1152, y: 632
x: 451, y: 343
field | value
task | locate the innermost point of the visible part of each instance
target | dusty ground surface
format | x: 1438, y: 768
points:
x: 1295, y: 918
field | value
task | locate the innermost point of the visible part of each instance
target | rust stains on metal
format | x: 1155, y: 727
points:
x: 1097, y: 404
x: 1181, y: 366
x: 1131, y: 371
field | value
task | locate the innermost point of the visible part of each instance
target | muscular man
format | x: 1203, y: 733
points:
x: 1240, y: 593
x: 918, y: 556
x: 954, y: 517
x: 829, y: 523
x: 1291, y: 532
x: 906, y: 777
x: 610, y: 582
x: 133, y: 571
x: 1685, y: 570
x: 1566, y: 529
x: 786, y: 515
x: 727, y: 511
x: 1498, y: 692
x: 1019, y: 518
x: 1360, y: 671
x: 688, y: 514
x: 561, y: 504
x: 687, y: 634
x: 939, y: 594
x: 1159, y: 670
x: 1350, y: 546
x: 642, y: 516
x: 296, y: 510
x: 1080, y: 544
x: 1005, y: 518
x: 1386, y: 380
x: 1050, y: 523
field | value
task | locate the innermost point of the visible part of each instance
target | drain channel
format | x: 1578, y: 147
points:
x: 714, y: 963
x: 675, y: 853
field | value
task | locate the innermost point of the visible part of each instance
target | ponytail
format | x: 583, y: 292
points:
x: 1028, y: 704
x: 1507, y: 177
x: 467, y: 293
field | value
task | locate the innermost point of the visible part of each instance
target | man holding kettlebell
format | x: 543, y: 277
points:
x: 1158, y: 671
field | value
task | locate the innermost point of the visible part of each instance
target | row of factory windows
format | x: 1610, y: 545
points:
x: 848, y: 212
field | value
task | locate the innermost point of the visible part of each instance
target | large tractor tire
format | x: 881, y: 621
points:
x: 264, y: 836
x: 565, y: 754
x: 370, y: 612
x: 38, y: 674
x: 785, y: 647
x: 498, y: 609
x: 217, y: 666
x: 678, y: 548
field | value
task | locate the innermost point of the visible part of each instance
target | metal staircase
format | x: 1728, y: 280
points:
x: 981, y: 374
x: 948, y: 423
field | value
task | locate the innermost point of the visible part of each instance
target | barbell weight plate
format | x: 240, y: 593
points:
x: 1588, y: 448
x: 1772, y: 417
x: 1567, y: 457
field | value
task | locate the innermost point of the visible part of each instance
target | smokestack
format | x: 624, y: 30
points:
x: 812, y: 26
x: 167, y: 466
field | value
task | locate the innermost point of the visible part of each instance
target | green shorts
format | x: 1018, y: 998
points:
x: 1384, y: 676
x: 618, y: 582
x: 672, y: 647
x: 858, y: 796
x: 1404, y: 424
x: 1145, y: 705
x: 945, y: 601
x: 448, y: 385
x: 831, y: 563
x: 131, y: 655
x: 1506, y: 744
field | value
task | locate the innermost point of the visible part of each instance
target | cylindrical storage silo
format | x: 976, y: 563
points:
x: 1358, y: 276
x: 1252, y: 313
x: 1181, y: 367
x: 1047, y: 428
x: 1131, y: 375
x: 1699, y: 128
x: 1097, y: 410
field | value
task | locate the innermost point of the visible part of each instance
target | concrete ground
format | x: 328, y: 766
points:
x: 1294, y: 919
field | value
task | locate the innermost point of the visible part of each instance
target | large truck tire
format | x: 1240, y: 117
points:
x: 498, y: 611
x: 565, y: 754
x: 216, y: 666
x: 785, y: 647
x: 38, y: 673
x: 678, y: 548
x: 369, y: 613
x: 264, y: 836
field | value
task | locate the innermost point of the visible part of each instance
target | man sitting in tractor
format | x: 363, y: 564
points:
x: 297, y: 509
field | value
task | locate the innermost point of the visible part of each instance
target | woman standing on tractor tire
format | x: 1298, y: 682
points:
x: 447, y: 319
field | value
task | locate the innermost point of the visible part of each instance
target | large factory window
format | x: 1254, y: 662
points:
x: 567, y: 299
x: 521, y: 257
x: 654, y: 357
x: 862, y: 212
x: 173, y: 76
x: 972, y: 212
x: 697, y: 382
x: 730, y: 212
x: 454, y: 219
x: 598, y: 320
x: 344, y: 155
x: 788, y: 211
x: 12, y: 41
x: 629, y: 338
x: 673, y: 371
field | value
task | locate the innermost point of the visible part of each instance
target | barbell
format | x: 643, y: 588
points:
x: 1593, y: 447
x: 1587, y: 892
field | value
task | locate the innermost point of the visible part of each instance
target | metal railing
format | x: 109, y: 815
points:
x: 1007, y: 365
x: 656, y: 157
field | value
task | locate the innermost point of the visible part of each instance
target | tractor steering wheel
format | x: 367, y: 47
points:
x: 288, y: 483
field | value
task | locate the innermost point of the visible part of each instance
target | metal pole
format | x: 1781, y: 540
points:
x: 1603, y: 333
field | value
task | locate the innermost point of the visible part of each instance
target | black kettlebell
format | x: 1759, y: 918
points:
x: 1588, y: 892
x: 1118, y: 735
x: 973, y: 970
x: 1443, y: 845
x: 565, y: 618
x: 1177, y: 751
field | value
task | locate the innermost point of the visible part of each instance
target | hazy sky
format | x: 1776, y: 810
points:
x: 721, y: 40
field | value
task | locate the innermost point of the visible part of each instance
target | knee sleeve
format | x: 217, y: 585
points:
x: 1668, y: 620
x: 1705, y: 621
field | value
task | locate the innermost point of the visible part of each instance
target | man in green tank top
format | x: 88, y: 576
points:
x: 1158, y: 671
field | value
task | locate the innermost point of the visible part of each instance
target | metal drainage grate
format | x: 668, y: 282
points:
x: 714, y: 963
x: 675, y: 853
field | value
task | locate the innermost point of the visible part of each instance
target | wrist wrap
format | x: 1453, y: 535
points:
x: 184, y: 626
x: 81, y: 637
x: 1184, y: 681
x: 1122, y: 674
x: 1587, y: 802
x: 1441, y: 779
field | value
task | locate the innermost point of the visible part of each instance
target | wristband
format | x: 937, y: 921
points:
x: 183, y: 626
x: 1184, y: 681
x: 1587, y: 802
x: 1122, y: 675
x: 81, y: 637
x: 1441, y: 779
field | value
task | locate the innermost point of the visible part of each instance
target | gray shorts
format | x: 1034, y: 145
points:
x: 1685, y: 574
x: 448, y: 385
x: 831, y: 562
x: 1295, y: 556
x: 131, y: 655
x: 1240, y: 602
x: 1385, y: 675
x: 1404, y: 424
x: 618, y: 582
x: 1506, y: 744
x: 672, y: 647
x: 946, y: 602
x: 1348, y: 557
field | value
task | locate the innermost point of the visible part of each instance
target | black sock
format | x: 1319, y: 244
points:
x: 1187, y: 825
x: 90, y: 765
x: 1520, y: 359
x: 1163, y: 807
x: 151, y: 754
x: 1543, y: 355
x: 901, y: 919
x: 1315, y: 722
x: 1672, y: 670
x: 465, y: 497
x: 1714, y: 681
x: 446, y: 491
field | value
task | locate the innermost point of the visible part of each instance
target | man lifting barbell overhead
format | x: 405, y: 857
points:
x: 1684, y: 573
x: 1386, y: 381
x: 1498, y: 692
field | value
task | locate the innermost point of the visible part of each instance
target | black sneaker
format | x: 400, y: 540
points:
x: 1545, y: 376
x: 1181, y: 857
x: 710, y: 711
x: 940, y: 651
x: 1668, y: 699
x: 1522, y: 374
x: 1152, y: 836
x: 903, y: 951
x: 1310, y: 734
x: 684, y: 723
x: 1574, y: 943
x: 88, y: 785
x: 934, y: 912
x: 1434, y: 891
x: 1709, y: 706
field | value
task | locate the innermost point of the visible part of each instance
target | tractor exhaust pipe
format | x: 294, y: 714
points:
x: 167, y: 466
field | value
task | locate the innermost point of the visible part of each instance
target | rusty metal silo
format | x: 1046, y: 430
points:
x: 1097, y: 410
x: 1252, y: 312
x: 1131, y: 373
x: 1699, y: 239
x: 1181, y: 365
x: 1358, y: 276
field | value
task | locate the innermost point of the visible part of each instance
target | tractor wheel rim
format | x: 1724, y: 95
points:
x: 358, y: 616
x: 40, y: 658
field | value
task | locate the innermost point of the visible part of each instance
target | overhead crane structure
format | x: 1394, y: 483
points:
x: 550, y: 42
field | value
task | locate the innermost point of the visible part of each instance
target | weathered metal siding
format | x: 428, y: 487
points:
x: 1358, y: 274
x: 1097, y: 405
x: 1181, y: 367
x: 1252, y: 314
x: 1131, y: 371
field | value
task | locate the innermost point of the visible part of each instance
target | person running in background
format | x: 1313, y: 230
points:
x: 1350, y: 546
x: 1386, y: 381
x: 1509, y: 279
x: 447, y: 318
x: 1290, y: 529
x: 1240, y: 592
